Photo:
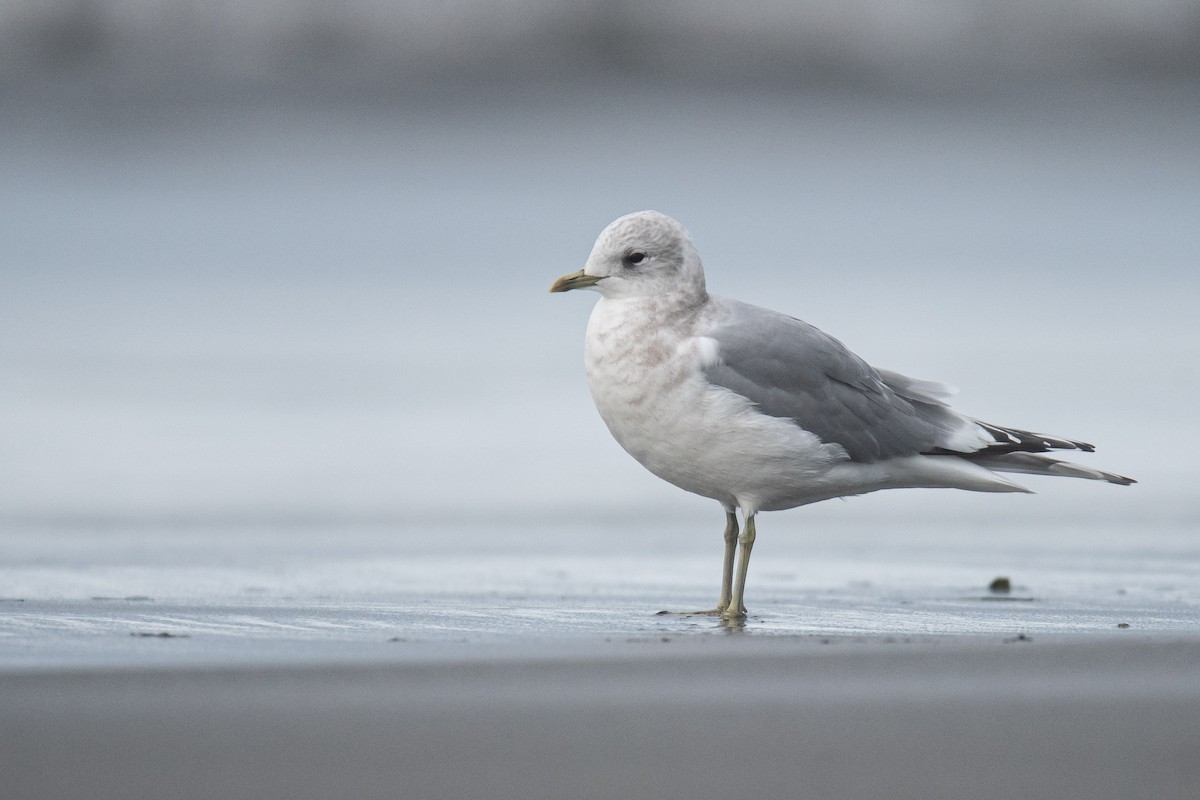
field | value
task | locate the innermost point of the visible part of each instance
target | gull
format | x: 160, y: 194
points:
x: 761, y: 411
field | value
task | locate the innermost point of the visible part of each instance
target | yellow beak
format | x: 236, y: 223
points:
x: 576, y: 280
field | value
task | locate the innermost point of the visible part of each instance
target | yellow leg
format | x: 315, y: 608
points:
x: 736, y: 608
x: 731, y: 539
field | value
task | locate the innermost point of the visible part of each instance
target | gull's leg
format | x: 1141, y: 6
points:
x: 736, y: 609
x: 731, y: 538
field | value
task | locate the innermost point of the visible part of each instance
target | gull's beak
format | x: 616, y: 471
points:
x: 576, y: 280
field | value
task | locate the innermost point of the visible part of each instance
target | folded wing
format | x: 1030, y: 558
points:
x: 792, y: 370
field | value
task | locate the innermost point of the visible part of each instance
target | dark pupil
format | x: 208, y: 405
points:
x: 636, y: 258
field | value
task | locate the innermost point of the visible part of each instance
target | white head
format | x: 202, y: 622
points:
x: 640, y: 255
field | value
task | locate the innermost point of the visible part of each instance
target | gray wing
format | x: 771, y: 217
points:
x: 792, y: 370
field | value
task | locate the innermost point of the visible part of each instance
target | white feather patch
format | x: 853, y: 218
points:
x: 709, y: 350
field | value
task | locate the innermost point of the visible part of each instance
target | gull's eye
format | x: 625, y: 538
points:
x: 634, y: 258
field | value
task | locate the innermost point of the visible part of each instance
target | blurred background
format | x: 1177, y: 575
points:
x: 288, y: 261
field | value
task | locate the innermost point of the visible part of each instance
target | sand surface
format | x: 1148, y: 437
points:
x: 948, y: 717
x: 510, y: 662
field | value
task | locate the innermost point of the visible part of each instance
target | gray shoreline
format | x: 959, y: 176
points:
x: 1048, y: 716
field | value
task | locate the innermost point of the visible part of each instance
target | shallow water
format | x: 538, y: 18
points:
x: 86, y: 597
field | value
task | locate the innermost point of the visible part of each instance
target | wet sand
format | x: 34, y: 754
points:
x: 1034, y: 717
x: 342, y: 662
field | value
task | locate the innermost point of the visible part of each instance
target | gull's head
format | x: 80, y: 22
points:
x: 640, y: 255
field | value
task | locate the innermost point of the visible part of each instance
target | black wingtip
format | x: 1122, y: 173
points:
x: 1016, y: 440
